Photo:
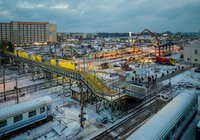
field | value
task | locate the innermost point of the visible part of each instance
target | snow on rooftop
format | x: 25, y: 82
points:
x: 18, y: 108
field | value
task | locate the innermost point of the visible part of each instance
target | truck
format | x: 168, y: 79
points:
x: 126, y: 67
x: 165, y: 61
x: 104, y: 65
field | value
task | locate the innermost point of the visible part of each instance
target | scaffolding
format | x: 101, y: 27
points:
x: 98, y: 91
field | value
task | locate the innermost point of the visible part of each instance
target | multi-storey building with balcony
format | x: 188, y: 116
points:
x: 27, y: 32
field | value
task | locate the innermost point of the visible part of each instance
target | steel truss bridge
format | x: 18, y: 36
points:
x: 97, y: 89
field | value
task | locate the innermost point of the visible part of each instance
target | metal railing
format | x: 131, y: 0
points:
x: 74, y: 74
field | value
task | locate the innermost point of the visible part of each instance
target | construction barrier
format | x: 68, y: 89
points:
x: 66, y: 64
x: 15, y: 52
x: 53, y: 62
x: 33, y: 57
x: 38, y: 58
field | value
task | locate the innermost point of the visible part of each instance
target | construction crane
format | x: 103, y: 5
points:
x: 156, y: 44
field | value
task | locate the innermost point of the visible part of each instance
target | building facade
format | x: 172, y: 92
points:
x: 5, y: 32
x: 191, y: 53
x: 28, y: 32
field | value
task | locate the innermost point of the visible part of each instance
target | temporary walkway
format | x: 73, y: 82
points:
x: 91, y: 81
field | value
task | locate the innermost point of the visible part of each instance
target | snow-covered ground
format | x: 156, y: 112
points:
x: 65, y: 124
x: 69, y: 111
x: 22, y: 82
x: 191, y: 77
x: 143, y: 70
x: 68, y: 115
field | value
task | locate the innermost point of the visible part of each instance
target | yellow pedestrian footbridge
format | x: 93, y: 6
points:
x: 99, y: 86
x: 67, y: 69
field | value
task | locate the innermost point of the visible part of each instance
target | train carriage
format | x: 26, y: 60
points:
x: 170, y: 121
x: 198, y: 130
x: 23, y: 114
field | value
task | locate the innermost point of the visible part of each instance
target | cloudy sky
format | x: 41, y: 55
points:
x: 106, y: 15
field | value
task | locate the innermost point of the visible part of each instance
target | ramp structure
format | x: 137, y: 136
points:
x: 97, y: 89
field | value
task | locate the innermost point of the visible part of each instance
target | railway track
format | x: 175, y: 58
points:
x: 50, y: 132
x: 31, y: 127
x: 29, y: 89
x: 12, y: 78
x: 131, y: 123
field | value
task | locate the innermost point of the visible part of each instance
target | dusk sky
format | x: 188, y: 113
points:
x: 106, y: 15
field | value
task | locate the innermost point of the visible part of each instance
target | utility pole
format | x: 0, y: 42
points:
x: 16, y: 90
x: 4, y: 86
x: 146, y: 90
x: 147, y: 75
x: 84, y: 63
x: 63, y: 84
x: 72, y: 54
x: 156, y: 97
x: 55, y: 50
x: 62, y: 52
x: 170, y: 86
x: 81, y: 104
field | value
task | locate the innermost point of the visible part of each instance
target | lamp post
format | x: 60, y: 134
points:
x: 4, y: 86
x: 84, y: 63
x: 190, y: 56
x: 82, y: 105
x: 16, y: 90
x: 156, y: 94
x: 170, y: 88
x: 146, y: 94
x: 148, y: 75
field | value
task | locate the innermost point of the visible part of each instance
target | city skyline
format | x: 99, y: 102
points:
x: 107, y: 16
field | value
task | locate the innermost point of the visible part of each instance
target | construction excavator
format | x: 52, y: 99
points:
x: 165, y: 61
x: 126, y: 67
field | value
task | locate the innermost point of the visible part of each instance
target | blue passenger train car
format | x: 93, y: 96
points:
x: 23, y: 114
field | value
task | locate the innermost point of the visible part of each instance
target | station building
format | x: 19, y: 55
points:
x: 27, y: 32
x: 191, y: 52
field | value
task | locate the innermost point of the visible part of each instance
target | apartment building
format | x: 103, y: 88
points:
x: 191, y: 52
x: 28, y: 32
